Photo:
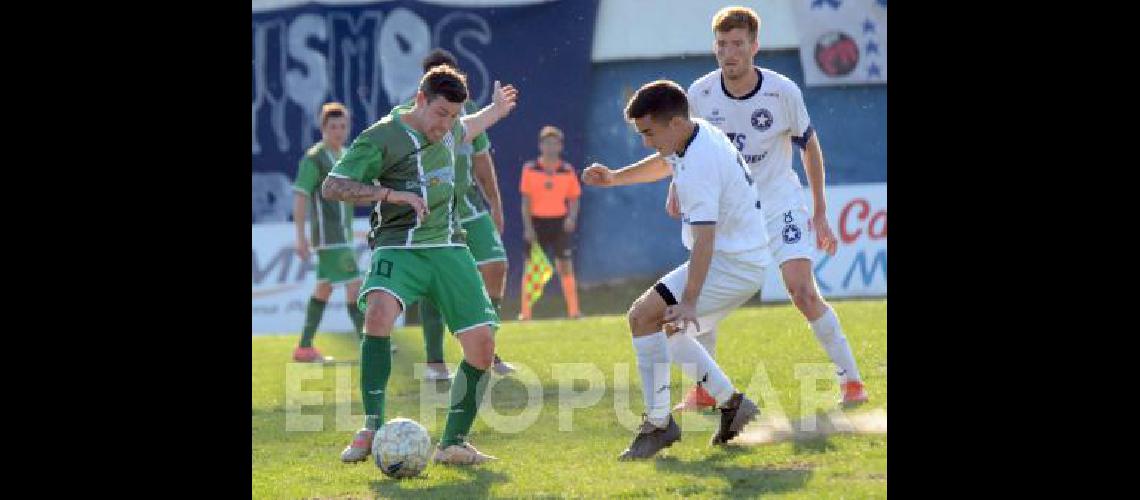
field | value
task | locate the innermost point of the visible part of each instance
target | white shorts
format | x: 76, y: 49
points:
x: 732, y: 280
x: 790, y: 236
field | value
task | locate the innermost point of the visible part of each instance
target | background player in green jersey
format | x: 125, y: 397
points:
x: 474, y: 178
x: 405, y: 164
x: 331, y: 230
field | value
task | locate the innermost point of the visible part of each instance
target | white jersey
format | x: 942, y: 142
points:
x: 763, y: 125
x: 714, y: 186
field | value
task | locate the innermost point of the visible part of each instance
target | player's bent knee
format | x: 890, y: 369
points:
x: 478, y: 347
x: 323, y: 291
x: 805, y: 294
x: 642, y: 319
x: 496, y: 268
x: 380, y: 314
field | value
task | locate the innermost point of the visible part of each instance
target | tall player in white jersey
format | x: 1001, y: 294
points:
x: 724, y: 231
x: 763, y: 113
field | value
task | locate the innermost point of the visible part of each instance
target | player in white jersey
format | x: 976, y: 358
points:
x: 724, y: 231
x: 763, y: 114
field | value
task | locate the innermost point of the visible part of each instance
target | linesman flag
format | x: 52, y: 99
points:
x: 537, y: 275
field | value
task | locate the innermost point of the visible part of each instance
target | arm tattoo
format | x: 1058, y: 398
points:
x: 336, y: 188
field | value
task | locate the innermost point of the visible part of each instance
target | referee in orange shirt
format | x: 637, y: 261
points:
x: 550, y: 193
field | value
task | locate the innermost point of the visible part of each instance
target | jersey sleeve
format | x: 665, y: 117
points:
x: 691, y: 95
x: 797, y: 115
x: 524, y: 181
x: 307, y: 176
x: 700, y: 197
x: 574, y: 190
x: 361, y: 163
x: 482, y: 142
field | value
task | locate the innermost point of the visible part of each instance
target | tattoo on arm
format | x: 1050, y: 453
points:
x: 336, y: 188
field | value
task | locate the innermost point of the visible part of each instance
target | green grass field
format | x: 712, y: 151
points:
x: 544, y: 461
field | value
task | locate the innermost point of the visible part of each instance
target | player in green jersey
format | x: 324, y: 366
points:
x: 331, y: 229
x: 474, y: 178
x: 405, y: 164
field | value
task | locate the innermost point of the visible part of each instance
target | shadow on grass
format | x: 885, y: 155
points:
x: 475, y: 483
x: 744, y: 481
x: 814, y: 445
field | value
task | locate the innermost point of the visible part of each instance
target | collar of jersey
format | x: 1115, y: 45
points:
x: 400, y: 119
x: 328, y: 152
x: 759, y: 82
x: 696, y: 128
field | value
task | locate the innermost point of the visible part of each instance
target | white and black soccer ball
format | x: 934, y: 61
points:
x: 402, y: 448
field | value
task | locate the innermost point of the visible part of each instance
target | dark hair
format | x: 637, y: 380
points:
x: 444, y: 81
x: 661, y: 100
x: 437, y: 57
x: 332, y: 110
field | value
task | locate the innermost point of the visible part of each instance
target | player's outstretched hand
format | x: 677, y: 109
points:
x: 672, y: 206
x: 824, y: 238
x: 598, y: 175
x: 411, y: 199
x: 504, y: 98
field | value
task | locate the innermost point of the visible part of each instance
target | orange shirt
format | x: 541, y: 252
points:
x: 549, y: 190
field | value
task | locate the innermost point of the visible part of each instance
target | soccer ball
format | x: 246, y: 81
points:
x: 402, y: 448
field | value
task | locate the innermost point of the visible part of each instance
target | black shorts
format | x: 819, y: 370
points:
x: 554, y: 241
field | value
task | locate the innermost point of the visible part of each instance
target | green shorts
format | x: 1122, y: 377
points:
x: 483, y: 240
x: 337, y: 265
x: 446, y: 275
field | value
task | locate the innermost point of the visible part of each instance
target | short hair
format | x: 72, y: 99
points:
x: 332, y: 110
x: 437, y: 57
x: 730, y: 18
x: 550, y: 131
x: 661, y: 100
x: 444, y: 81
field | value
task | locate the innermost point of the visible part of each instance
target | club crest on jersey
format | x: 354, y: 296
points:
x: 761, y: 119
x: 791, y: 234
x: 435, y: 177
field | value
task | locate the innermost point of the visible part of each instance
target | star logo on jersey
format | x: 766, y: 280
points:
x: 791, y: 234
x: 761, y: 119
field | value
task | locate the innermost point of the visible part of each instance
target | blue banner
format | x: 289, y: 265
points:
x: 368, y: 56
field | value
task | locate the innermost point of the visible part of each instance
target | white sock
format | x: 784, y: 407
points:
x: 696, y: 364
x: 653, y: 366
x: 830, y: 335
x: 708, y: 341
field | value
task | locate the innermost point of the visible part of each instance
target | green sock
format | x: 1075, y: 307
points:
x: 313, y: 315
x: 375, y: 367
x: 466, y: 392
x: 432, y: 321
x: 357, y: 318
